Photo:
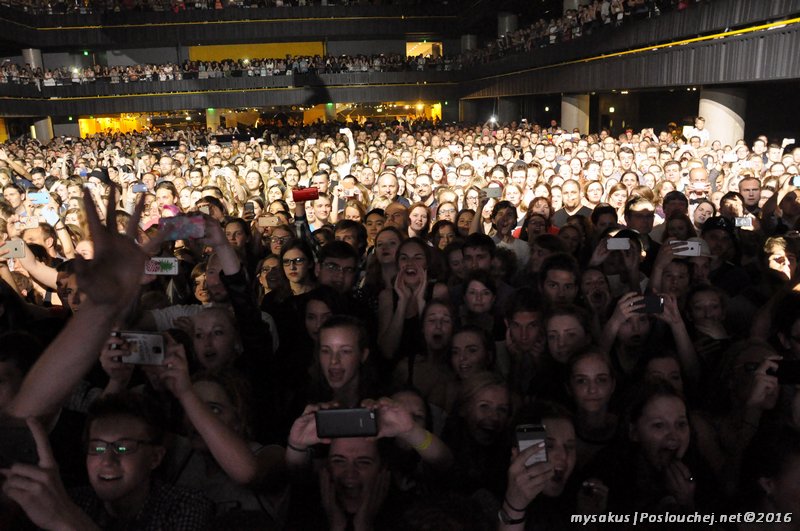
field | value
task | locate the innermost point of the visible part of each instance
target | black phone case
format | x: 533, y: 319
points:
x: 339, y: 423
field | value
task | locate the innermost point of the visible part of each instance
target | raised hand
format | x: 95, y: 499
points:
x: 374, y: 495
x: 525, y: 483
x: 112, y: 278
x: 39, y: 491
x: 680, y: 483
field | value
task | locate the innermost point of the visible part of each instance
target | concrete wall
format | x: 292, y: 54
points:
x: 143, y: 56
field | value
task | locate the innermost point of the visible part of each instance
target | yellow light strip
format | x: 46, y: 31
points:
x: 208, y: 23
x: 683, y: 42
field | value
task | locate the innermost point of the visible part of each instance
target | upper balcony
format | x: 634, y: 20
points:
x: 126, y: 29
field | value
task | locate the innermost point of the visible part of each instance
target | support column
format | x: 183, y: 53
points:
x: 43, y: 130
x: 212, y: 119
x: 570, y: 4
x: 468, y: 43
x: 469, y: 111
x: 33, y: 57
x: 723, y: 109
x: 506, y: 23
x: 575, y: 112
x: 508, y: 110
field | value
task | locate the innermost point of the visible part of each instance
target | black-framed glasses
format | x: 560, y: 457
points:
x: 336, y: 268
x: 120, y: 447
x: 296, y: 261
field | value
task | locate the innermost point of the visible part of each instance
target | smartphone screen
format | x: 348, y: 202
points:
x: 529, y: 435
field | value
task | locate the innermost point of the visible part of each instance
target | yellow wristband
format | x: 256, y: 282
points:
x: 425, y: 443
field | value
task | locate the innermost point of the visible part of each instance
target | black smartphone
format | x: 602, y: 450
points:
x: 529, y: 435
x: 788, y: 372
x: 652, y: 304
x: 17, y: 445
x: 337, y: 423
x: 249, y: 208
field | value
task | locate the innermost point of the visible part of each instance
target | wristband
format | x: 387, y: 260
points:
x: 512, y: 507
x: 426, y: 442
x: 295, y: 448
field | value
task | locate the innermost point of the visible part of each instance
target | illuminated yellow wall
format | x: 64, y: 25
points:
x: 91, y: 126
x: 254, y: 51
x: 3, y: 131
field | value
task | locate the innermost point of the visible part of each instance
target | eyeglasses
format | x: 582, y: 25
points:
x: 280, y: 239
x: 266, y: 269
x: 120, y: 447
x: 336, y: 268
x: 296, y: 261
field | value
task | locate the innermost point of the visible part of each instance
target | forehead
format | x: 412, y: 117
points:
x: 354, y: 447
x: 118, y: 427
x: 339, y: 334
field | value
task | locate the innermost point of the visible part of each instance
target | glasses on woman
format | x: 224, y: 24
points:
x: 280, y: 239
x: 296, y: 261
x: 120, y: 447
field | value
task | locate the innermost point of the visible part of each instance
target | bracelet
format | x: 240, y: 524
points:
x: 512, y: 507
x: 425, y: 444
x: 295, y: 448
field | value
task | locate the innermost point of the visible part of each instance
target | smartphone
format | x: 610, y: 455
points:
x: 311, y: 141
x: 17, y: 444
x: 618, y: 244
x: 337, y: 423
x: 249, y: 208
x: 299, y: 195
x: 161, y: 265
x: 139, y: 188
x: 39, y: 198
x: 204, y: 209
x: 692, y: 248
x: 146, y: 348
x: 796, y: 180
x: 529, y: 435
x: 16, y: 249
x: 268, y: 221
x: 652, y: 304
x: 494, y: 192
x: 279, y: 169
x: 183, y: 227
x: 788, y: 372
x: 745, y: 221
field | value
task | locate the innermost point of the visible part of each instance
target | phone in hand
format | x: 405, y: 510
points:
x: 653, y: 304
x: 146, y: 348
x: 183, y: 227
x: 139, y: 188
x: 268, y: 221
x: 528, y: 435
x: 16, y: 249
x: 340, y: 423
x: 745, y: 221
x: 494, y: 192
x: 39, y: 198
x: 692, y: 248
x: 618, y: 244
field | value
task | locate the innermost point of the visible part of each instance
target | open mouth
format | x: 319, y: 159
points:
x: 335, y: 375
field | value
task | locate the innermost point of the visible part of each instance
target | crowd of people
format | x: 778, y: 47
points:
x: 83, y: 7
x: 342, y: 327
x: 591, y: 17
x: 290, y: 65
x: 587, y: 19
